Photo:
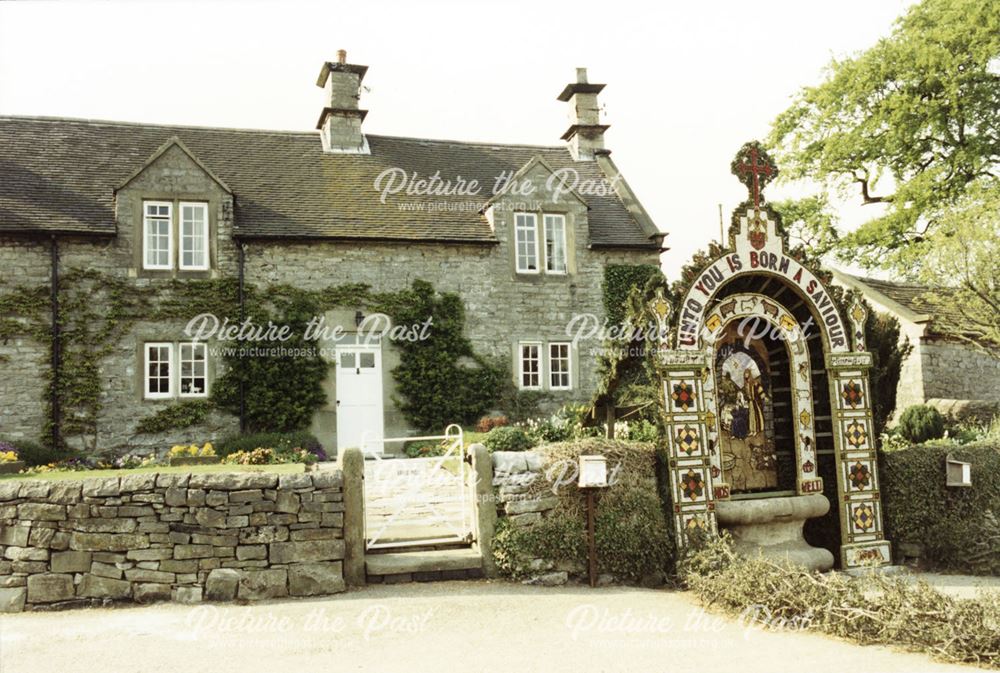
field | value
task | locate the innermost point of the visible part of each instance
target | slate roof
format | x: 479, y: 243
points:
x: 60, y: 175
x: 915, y: 298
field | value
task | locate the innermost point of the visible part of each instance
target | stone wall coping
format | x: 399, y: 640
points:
x: 71, y: 490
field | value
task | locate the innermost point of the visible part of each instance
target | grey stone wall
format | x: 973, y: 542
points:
x: 23, y: 361
x: 955, y: 371
x: 182, y: 537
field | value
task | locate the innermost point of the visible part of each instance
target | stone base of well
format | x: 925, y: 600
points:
x: 772, y: 527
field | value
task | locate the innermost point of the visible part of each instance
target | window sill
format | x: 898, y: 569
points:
x: 180, y: 274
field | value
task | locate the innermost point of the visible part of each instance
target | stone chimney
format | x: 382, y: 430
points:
x: 340, y: 121
x: 586, y: 132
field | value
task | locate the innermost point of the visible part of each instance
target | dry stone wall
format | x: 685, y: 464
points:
x: 181, y: 537
x: 516, y: 475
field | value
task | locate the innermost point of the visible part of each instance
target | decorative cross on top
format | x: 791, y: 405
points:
x: 754, y: 168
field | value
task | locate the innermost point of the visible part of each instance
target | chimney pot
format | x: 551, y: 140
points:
x: 342, y: 56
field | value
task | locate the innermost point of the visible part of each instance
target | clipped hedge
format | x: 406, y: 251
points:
x: 632, y: 535
x: 957, y: 526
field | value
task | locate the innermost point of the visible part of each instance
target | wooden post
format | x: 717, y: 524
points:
x: 591, y: 541
x: 609, y: 416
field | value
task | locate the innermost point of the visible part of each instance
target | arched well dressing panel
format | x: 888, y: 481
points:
x: 828, y: 426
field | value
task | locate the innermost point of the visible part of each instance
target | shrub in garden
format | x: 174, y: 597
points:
x: 8, y: 453
x: 279, y: 441
x: 33, y: 453
x: 258, y: 456
x: 268, y: 456
x: 920, y: 423
x: 508, y: 438
x: 180, y: 450
x: 487, y: 423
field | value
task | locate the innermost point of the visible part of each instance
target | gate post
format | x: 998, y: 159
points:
x: 485, y: 506
x: 352, y: 464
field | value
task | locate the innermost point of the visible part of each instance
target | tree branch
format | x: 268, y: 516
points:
x: 866, y: 195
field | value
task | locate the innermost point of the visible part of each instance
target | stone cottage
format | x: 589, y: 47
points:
x: 941, y: 370
x: 155, y: 206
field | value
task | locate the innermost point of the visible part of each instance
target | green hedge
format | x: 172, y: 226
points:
x: 957, y: 526
x: 632, y: 534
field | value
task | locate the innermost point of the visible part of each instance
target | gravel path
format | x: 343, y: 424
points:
x: 443, y: 627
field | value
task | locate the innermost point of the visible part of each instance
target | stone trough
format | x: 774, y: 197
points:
x: 772, y: 527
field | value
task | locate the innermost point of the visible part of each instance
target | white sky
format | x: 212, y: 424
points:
x: 688, y: 83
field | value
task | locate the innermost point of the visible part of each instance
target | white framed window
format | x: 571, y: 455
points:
x: 529, y: 370
x: 192, y: 366
x: 157, y: 240
x: 526, y: 242
x: 559, y: 366
x: 555, y: 243
x: 158, y: 370
x: 193, y: 236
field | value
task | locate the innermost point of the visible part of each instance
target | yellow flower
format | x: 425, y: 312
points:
x: 207, y: 450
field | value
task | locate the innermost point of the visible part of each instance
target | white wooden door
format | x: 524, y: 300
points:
x: 359, y: 397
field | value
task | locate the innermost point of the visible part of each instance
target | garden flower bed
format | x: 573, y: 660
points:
x: 280, y: 468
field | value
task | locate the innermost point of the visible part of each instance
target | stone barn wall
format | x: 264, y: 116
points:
x: 182, y: 537
x: 955, y: 371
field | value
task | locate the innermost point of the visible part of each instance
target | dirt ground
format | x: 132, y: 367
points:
x: 495, y: 627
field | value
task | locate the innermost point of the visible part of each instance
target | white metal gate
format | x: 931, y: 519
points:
x: 419, y: 501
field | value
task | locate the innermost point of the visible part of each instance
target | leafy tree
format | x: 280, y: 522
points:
x: 911, y: 124
x: 962, y: 266
x: 809, y: 222
x: 888, y: 353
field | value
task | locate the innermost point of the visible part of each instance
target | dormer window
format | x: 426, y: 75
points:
x: 194, y: 236
x: 537, y: 248
x: 157, y: 235
x: 168, y: 226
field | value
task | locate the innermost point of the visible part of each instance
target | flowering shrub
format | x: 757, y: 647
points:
x: 7, y: 455
x: 258, y: 456
x: 180, y: 450
x: 511, y: 438
x: 567, y: 424
x: 487, y: 423
x: 268, y: 456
